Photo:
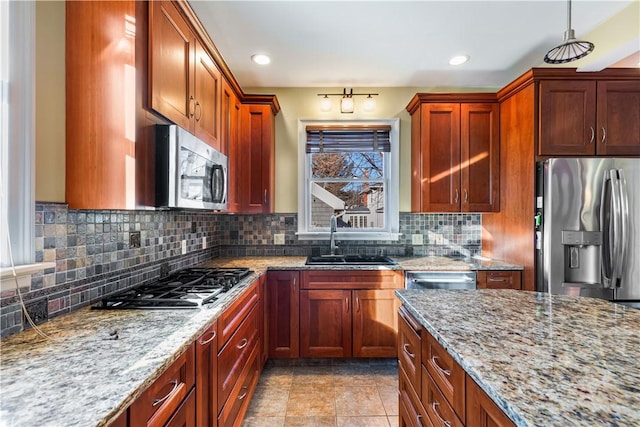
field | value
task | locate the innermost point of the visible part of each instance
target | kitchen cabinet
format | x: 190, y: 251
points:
x: 238, y: 356
x: 256, y: 158
x: 263, y: 320
x: 230, y: 129
x: 184, y: 81
x: 207, y: 377
x: 499, y: 279
x: 166, y: 394
x: 589, y: 117
x: 101, y: 104
x: 481, y: 411
x: 348, y: 313
x: 455, y: 153
x: 283, y: 313
x: 185, y: 415
x: 433, y: 388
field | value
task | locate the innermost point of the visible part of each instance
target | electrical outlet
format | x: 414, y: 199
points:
x: 204, y: 243
x: 134, y: 239
x: 416, y: 239
x: 184, y: 247
x: 439, y: 239
x: 278, y: 239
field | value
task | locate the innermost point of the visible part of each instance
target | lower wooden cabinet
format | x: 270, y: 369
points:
x: 481, y: 411
x: 349, y: 313
x: 161, y: 400
x: 235, y: 408
x: 283, y: 314
x: 185, y: 415
x: 499, y: 279
x: 207, y: 377
x: 433, y: 388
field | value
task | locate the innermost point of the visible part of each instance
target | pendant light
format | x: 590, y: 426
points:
x: 571, y: 49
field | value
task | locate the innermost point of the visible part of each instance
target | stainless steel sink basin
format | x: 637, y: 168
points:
x: 350, y: 260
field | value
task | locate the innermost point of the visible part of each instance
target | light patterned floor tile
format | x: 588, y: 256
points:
x: 358, y: 401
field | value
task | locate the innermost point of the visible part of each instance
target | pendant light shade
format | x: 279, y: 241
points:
x: 571, y: 49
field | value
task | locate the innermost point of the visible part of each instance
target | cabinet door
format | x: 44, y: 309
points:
x: 325, y: 323
x: 375, y: 323
x: 207, y: 377
x: 208, y: 86
x: 230, y: 144
x: 171, y: 59
x: 481, y: 411
x: 499, y: 279
x: 258, y: 159
x: 263, y: 324
x: 480, y: 168
x: 440, y: 161
x: 409, y: 351
x: 185, y: 415
x: 618, y: 132
x: 283, y: 314
x: 567, y: 117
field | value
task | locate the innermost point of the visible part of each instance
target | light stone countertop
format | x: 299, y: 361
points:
x: 81, y: 377
x: 545, y: 360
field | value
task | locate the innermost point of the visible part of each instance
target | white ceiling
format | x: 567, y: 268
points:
x: 394, y: 43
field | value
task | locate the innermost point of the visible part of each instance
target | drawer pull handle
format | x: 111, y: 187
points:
x: 243, y: 395
x: 419, y: 419
x: 434, y: 360
x: 434, y: 406
x: 213, y: 337
x: 593, y: 135
x: 604, y: 134
x: 497, y: 279
x: 242, y: 344
x: 405, y: 348
x: 173, y: 390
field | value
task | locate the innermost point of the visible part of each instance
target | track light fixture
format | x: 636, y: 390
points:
x: 346, y: 103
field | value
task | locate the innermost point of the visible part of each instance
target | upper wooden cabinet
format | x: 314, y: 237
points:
x: 589, y: 117
x: 255, y: 159
x: 184, y: 82
x: 454, y: 153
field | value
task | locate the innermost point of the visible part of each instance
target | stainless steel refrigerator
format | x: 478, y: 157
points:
x: 588, y: 228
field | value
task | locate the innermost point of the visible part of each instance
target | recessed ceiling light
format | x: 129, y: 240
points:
x: 260, y: 58
x: 460, y: 59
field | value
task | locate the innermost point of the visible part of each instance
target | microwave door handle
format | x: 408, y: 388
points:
x: 606, y: 228
x: 225, y: 183
x: 217, y: 185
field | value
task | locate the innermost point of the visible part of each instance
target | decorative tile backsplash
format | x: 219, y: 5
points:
x: 93, y: 255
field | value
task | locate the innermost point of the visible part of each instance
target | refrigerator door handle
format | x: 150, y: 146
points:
x: 624, y: 224
x: 616, y: 235
x: 607, y: 213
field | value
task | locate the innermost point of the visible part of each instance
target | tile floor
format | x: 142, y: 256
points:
x: 326, y: 392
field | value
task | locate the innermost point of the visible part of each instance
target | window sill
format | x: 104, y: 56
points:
x: 23, y: 274
x: 354, y: 235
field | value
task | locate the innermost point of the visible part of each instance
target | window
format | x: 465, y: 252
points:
x: 17, y: 91
x: 350, y: 170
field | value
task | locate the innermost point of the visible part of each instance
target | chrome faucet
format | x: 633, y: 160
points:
x: 333, y: 224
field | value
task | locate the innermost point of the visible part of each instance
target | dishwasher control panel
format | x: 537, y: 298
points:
x: 440, y: 279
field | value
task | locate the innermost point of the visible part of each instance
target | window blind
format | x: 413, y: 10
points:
x: 334, y: 139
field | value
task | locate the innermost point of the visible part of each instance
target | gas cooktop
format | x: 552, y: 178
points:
x: 188, y: 288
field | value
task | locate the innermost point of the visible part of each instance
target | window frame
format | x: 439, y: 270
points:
x: 391, y: 185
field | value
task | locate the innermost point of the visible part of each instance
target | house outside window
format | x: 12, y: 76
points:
x: 348, y: 169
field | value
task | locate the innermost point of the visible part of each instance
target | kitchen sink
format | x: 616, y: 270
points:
x: 350, y: 260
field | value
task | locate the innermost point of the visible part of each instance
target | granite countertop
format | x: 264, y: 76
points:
x: 80, y: 375
x: 545, y: 360
x: 419, y: 263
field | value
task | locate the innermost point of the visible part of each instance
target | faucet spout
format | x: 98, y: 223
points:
x: 333, y: 224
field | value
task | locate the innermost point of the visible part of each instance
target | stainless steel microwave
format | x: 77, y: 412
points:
x: 189, y: 172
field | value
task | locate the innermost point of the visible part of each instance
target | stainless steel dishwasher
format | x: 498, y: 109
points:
x: 440, y: 279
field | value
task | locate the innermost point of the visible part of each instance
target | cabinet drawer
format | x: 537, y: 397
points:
x: 186, y: 414
x: 238, y: 402
x: 436, y: 405
x: 409, y: 347
x: 229, y: 321
x: 352, y: 279
x: 412, y: 412
x: 499, y: 279
x: 444, y: 371
x: 156, y: 405
x: 233, y: 356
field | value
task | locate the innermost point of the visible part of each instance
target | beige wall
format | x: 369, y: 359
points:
x: 304, y: 103
x: 50, y: 101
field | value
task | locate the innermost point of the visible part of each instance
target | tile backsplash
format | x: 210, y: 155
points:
x: 93, y: 256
